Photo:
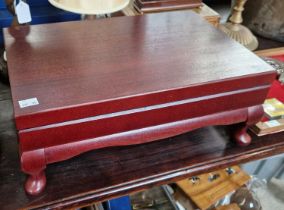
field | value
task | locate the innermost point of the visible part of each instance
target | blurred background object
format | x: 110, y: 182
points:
x: 41, y: 12
x: 246, y: 199
x: 265, y: 18
x: 90, y: 8
x: 234, y: 28
x: 150, y: 6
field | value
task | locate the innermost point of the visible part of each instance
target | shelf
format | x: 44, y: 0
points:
x: 112, y: 172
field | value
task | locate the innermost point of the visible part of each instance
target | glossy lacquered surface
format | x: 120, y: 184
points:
x: 112, y: 172
x: 125, y: 81
x: 166, y: 5
x: 90, y: 68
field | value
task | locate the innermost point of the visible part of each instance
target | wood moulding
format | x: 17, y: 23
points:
x: 82, y: 102
x: 112, y: 172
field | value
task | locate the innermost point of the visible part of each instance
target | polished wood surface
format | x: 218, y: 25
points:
x: 71, y: 68
x: 151, y: 77
x: 112, y: 172
x: 166, y: 5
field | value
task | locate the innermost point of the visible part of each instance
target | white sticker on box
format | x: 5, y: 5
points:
x: 272, y: 123
x: 23, y: 12
x: 28, y: 102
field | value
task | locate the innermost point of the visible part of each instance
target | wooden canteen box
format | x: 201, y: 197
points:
x: 80, y: 86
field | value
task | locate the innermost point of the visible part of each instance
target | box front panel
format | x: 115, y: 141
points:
x: 103, y: 125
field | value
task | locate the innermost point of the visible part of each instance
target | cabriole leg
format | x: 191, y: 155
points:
x: 254, y: 115
x: 33, y: 164
x: 241, y: 136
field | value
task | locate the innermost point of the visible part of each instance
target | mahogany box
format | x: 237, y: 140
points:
x: 79, y: 86
x: 148, y: 6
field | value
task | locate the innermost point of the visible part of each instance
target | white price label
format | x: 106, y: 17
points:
x: 28, y: 102
x: 272, y: 123
x: 23, y: 12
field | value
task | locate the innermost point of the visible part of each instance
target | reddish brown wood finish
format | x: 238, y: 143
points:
x: 164, y: 5
x: 34, y: 163
x: 112, y: 172
x: 120, y: 170
x: 130, y: 80
x: 56, y: 153
x: 74, y: 71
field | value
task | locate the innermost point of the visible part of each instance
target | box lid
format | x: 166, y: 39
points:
x: 73, y: 70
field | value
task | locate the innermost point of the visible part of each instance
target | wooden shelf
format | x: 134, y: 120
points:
x: 107, y: 173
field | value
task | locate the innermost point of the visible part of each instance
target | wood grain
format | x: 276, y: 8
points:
x: 142, y: 61
x: 128, y: 81
x: 112, y: 172
x: 213, y: 186
x: 166, y: 5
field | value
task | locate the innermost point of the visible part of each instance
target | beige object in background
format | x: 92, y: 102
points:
x: 208, y: 14
x: 90, y: 7
x: 234, y: 29
x: 204, y: 11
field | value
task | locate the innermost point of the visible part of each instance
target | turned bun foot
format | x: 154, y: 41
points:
x: 35, y: 184
x: 241, y: 137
